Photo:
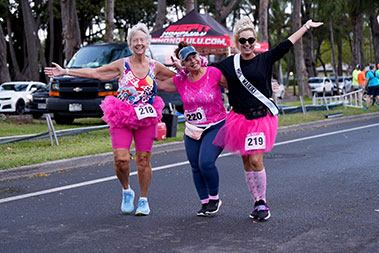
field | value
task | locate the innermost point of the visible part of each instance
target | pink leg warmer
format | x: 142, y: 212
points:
x: 256, y: 182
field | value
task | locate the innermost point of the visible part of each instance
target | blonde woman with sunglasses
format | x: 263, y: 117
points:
x: 249, y: 129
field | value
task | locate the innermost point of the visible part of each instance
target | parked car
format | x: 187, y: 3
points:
x: 74, y: 97
x: 163, y: 53
x: 14, y: 95
x: 320, y: 85
x: 278, y: 89
x: 344, y: 83
x: 37, y: 102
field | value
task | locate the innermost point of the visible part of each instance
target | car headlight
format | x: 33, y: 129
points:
x: 55, y: 86
x: 29, y: 96
x: 108, y: 86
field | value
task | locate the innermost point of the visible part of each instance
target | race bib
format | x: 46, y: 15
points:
x: 145, y: 111
x: 196, y: 116
x: 255, y: 141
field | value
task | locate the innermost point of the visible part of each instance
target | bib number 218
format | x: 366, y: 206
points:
x: 145, y: 111
x: 255, y: 141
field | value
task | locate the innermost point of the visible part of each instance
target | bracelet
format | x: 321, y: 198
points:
x: 306, y: 26
x: 66, y: 72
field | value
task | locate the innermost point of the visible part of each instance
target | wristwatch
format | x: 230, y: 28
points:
x: 306, y: 26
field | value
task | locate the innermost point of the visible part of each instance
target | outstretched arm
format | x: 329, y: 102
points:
x: 166, y: 85
x: 223, y: 82
x: 107, y: 72
x: 162, y: 72
x: 299, y: 33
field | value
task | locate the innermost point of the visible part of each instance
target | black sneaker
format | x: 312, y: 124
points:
x: 202, y: 211
x: 260, y: 211
x: 213, y: 206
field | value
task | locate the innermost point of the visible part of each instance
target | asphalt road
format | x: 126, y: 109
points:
x: 323, y: 191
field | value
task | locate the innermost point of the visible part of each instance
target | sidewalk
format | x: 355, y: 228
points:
x: 105, y: 158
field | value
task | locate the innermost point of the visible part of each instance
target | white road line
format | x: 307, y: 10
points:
x: 100, y: 180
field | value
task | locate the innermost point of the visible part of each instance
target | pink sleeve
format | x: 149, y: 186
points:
x: 177, y: 82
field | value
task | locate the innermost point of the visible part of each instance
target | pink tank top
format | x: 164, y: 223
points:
x: 202, y: 100
x: 134, y: 90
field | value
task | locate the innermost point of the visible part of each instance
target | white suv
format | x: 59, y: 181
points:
x: 14, y: 95
x: 320, y: 85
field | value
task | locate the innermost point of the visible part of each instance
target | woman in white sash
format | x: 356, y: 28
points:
x: 250, y: 128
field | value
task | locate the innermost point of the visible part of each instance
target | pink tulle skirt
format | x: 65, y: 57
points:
x: 232, y: 136
x: 120, y: 114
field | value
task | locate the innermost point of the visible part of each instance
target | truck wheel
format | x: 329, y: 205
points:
x: 63, y: 120
x: 20, y: 107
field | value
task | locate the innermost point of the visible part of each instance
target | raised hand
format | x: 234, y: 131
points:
x: 54, y: 71
x: 312, y: 24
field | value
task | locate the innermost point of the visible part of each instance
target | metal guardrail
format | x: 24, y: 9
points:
x: 47, y: 134
x: 351, y: 99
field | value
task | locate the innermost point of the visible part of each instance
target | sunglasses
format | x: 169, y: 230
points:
x: 242, y: 41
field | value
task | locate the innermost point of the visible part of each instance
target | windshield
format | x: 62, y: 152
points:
x: 97, y: 56
x: 333, y: 79
x: 316, y: 80
x: 15, y: 87
x: 163, y: 53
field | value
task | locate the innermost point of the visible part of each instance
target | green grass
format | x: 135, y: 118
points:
x: 38, y: 151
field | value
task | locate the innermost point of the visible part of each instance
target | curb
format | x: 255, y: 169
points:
x: 105, y: 158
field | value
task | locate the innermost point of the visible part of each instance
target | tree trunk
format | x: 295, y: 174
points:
x: 301, y: 74
x: 15, y: 68
x: 357, y: 52
x: 109, y: 20
x: 310, y: 62
x: 32, y: 72
x: 161, y: 15
x: 375, y: 34
x: 70, y: 28
x: 4, y: 72
x: 51, y: 31
x: 222, y: 12
x: 340, y: 52
x: 263, y: 26
x: 190, y: 5
x: 333, y: 52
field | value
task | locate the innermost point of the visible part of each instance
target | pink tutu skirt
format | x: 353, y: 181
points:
x: 232, y: 136
x: 118, y: 114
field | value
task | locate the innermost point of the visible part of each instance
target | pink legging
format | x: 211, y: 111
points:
x: 143, y: 137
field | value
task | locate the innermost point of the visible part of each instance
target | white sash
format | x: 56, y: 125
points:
x: 250, y: 87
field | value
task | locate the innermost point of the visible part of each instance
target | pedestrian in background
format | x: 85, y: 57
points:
x: 372, y: 86
x: 355, y: 73
x: 133, y: 114
x: 250, y: 130
x: 362, y: 78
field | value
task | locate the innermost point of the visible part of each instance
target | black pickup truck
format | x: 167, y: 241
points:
x: 73, y: 97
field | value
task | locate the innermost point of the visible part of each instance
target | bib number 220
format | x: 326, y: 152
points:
x: 145, y: 111
x: 255, y: 141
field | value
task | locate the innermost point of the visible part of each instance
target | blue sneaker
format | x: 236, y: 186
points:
x: 143, y: 208
x: 127, y: 205
x: 365, y: 108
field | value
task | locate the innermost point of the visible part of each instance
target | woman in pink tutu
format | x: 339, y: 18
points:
x: 250, y: 128
x: 134, y: 113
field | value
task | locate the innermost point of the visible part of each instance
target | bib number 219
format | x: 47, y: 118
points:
x: 255, y: 141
